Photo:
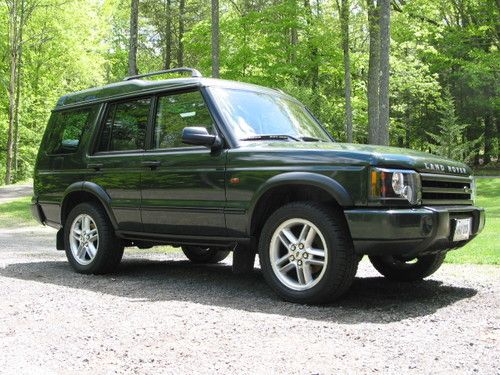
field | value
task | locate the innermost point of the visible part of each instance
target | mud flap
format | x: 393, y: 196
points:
x: 60, y: 239
x: 243, y: 259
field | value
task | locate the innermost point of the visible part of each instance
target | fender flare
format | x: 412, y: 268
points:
x: 328, y: 184
x: 95, y: 190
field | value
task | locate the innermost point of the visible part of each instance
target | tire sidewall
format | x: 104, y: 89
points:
x: 333, y: 242
x: 425, y: 266
x: 97, y: 216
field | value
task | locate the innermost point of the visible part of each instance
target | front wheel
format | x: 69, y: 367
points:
x: 401, y: 269
x: 306, y: 253
x: 204, y: 255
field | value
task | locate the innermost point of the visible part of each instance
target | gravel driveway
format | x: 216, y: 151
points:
x: 161, y: 314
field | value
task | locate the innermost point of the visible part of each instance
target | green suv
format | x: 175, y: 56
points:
x: 215, y: 166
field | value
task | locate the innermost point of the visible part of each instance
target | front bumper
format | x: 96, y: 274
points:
x: 409, y: 232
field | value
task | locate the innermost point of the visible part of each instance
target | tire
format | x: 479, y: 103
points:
x: 205, y: 255
x: 317, y: 263
x: 399, y: 269
x: 104, y: 251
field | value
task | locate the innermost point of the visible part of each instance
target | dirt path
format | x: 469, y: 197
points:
x: 161, y: 314
x: 9, y: 193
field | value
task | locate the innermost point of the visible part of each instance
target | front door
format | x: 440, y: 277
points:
x: 183, y: 190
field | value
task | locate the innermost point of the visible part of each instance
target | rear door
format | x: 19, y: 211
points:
x: 116, y: 164
x: 183, y: 190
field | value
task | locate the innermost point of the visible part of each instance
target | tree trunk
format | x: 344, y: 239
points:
x: 314, y: 75
x: 344, y: 26
x: 18, y: 90
x: 385, y: 41
x: 215, y: 39
x: 11, y: 89
x: 180, y: 49
x: 373, y: 72
x: 134, y: 25
x: 167, y: 61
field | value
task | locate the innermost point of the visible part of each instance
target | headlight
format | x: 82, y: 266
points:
x: 393, y: 185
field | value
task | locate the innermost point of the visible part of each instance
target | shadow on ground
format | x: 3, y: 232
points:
x: 371, y: 299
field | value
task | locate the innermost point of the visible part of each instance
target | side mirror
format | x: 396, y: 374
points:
x: 199, y: 136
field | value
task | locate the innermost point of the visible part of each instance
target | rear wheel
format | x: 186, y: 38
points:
x: 401, y: 269
x: 204, y: 255
x: 306, y: 253
x: 89, y: 240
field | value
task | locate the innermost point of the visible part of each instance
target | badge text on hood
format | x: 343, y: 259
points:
x: 444, y: 168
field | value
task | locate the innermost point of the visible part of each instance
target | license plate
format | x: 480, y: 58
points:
x: 462, y: 229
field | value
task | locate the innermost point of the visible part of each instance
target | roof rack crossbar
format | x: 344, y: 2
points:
x: 194, y: 73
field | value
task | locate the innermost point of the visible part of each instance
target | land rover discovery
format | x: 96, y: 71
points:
x: 215, y: 166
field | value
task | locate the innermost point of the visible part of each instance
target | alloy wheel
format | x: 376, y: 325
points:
x: 84, y: 239
x: 298, y: 254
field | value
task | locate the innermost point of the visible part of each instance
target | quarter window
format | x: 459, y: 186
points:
x: 175, y: 112
x: 125, y: 126
x: 68, y: 128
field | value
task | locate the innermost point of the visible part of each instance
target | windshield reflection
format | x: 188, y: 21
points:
x: 255, y: 115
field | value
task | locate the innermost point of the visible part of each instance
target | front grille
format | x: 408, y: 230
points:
x: 439, y: 189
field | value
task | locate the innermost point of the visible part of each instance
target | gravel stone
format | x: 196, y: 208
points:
x: 161, y: 314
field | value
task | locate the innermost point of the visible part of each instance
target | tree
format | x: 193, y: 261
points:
x: 314, y: 56
x: 134, y: 26
x: 373, y: 71
x: 180, y: 48
x: 451, y: 141
x: 385, y: 40
x: 18, y: 14
x: 378, y: 71
x: 292, y: 45
x: 167, y: 61
x: 215, y: 39
x: 344, y: 26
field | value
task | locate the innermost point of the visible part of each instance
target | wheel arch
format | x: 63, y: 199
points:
x: 80, y: 192
x: 294, y: 186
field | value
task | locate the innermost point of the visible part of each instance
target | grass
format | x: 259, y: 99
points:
x: 16, y: 213
x: 484, y: 249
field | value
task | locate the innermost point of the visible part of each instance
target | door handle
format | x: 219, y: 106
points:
x: 151, y: 163
x: 96, y: 166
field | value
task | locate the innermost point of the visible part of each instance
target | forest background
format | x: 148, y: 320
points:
x: 421, y: 74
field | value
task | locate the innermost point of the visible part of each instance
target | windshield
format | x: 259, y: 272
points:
x: 260, y: 116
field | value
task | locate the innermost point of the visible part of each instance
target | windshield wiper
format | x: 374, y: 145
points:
x: 269, y: 136
x: 310, y: 139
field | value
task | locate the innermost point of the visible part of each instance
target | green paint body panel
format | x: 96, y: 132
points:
x: 188, y: 195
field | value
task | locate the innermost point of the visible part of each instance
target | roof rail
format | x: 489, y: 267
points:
x: 194, y: 73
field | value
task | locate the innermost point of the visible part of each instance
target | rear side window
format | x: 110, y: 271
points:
x: 67, y: 130
x: 177, y: 111
x: 125, y: 126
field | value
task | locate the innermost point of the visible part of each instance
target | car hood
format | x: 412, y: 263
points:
x: 382, y: 156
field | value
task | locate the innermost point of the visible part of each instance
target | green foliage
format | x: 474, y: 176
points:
x: 450, y: 141
x: 288, y: 44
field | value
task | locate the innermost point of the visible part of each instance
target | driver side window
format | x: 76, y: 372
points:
x: 174, y: 113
